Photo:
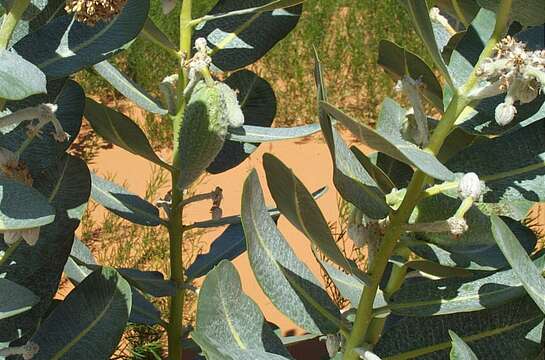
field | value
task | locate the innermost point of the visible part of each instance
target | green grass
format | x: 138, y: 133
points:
x: 346, y: 34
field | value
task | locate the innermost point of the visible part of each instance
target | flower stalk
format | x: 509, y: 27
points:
x: 400, y: 217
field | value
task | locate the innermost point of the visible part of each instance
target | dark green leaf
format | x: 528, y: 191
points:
x: 526, y: 12
x: 14, y: 299
x: 427, y: 297
x: 19, y: 78
x: 530, y: 276
x: 380, y: 177
x: 127, y: 87
x: 45, y: 151
x: 229, y: 245
x: 490, y: 333
x: 120, y: 130
x: 89, y: 322
x: 81, y: 263
x: 258, y: 102
x: 152, y: 31
x: 460, y: 350
x: 150, y: 282
x: 239, y: 41
x: 476, y: 249
x: 469, y: 9
x: 229, y: 318
x: 393, y: 146
x: 511, y: 165
x: 296, y: 203
x: 400, y: 62
x: 65, y: 184
x: 15, y: 212
x: 64, y: 46
x: 124, y: 204
x: 286, y: 280
x: 421, y: 19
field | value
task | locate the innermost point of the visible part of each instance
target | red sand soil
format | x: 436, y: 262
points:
x: 310, y: 160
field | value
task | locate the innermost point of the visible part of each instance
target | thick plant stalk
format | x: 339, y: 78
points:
x: 364, y: 314
x: 176, y: 230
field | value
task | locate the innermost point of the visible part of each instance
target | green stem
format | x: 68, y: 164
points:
x: 176, y: 229
x: 8, y: 26
x: 460, y: 13
x: 9, y: 251
x: 364, y: 314
x: 11, y: 20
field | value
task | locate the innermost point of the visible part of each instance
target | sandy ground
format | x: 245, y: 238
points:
x: 310, y: 160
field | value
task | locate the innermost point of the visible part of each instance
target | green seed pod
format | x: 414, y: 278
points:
x: 209, y: 112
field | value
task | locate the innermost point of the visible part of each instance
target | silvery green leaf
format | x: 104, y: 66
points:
x: 427, y: 297
x: 528, y: 273
x: 249, y: 133
x: 467, y: 52
x: 19, y: 78
x: 95, y: 312
x: 77, y: 45
x: 460, y: 350
x: 227, y: 317
x: 296, y: 203
x: 128, y: 87
x: 508, y: 329
x: 229, y: 244
x: 14, y: 299
x: 351, y: 179
x: 393, y: 146
x: 350, y: 286
x: 123, y: 203
x: 286, y: 280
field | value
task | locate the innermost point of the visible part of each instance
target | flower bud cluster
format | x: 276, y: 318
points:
x: 92, y: 11
x: 513, y: 70
x: 470, y: 185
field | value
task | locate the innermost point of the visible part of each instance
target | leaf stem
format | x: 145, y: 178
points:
x: 364, y: 314
x: 176, y: 230
x: 11, y: 20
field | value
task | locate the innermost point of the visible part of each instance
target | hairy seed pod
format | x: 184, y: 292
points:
x: 209, y: 113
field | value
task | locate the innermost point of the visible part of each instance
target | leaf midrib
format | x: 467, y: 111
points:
x: 85, y: 331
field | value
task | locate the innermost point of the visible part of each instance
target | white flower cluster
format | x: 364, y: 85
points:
x: 513, y: 70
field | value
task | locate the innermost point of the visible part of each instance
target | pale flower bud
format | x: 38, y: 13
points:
x: 201, y: 44
x: 458, y: 226
x: 332, y: 344
x: 505, y: 113
x: 470, y: 185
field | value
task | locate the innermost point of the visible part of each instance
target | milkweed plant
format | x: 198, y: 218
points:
x: 440, y: 205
